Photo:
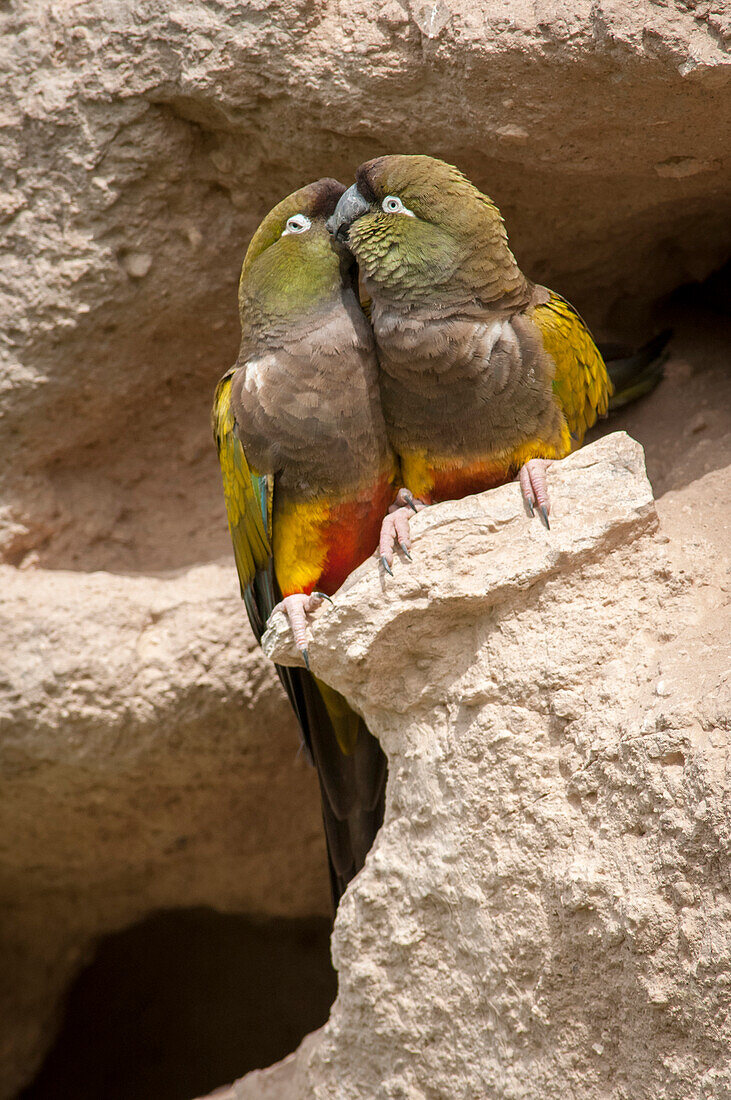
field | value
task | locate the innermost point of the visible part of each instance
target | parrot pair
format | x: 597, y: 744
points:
x: 332, y: 428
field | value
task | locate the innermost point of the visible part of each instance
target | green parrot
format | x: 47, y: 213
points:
x: 308, y: 475
x: 484, y: 375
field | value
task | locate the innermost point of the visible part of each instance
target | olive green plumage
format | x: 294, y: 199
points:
x: 285, y: 278
x: 455, y: 245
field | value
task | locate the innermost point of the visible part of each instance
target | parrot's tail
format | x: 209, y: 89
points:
x: 351, y: 765
x: 352, y: 782
x: 634, y: 374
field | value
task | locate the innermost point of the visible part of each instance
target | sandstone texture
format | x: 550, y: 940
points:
x: 141, y: 142
x: 546, y: 910
x: 147, y: 754
x: 149, y: 761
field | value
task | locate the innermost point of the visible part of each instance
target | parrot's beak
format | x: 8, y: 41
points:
x: 351, y: 206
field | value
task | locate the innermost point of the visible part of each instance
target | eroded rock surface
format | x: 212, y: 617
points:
x: 141, y: 142
x: 149, y: 761
x: 545, y: 912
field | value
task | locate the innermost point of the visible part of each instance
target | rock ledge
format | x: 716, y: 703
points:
x: 545, y: 911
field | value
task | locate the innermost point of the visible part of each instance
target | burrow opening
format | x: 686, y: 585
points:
x: 186, y: 1001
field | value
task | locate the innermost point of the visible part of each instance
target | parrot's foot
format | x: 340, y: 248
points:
x: 534, y: 488
x: 395, y: 528
x: 297, y: 608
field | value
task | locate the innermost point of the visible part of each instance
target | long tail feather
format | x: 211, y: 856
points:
x: 353, y: 783
x: 635, y: 374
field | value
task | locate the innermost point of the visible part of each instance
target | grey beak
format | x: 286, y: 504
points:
x: 351, y: 206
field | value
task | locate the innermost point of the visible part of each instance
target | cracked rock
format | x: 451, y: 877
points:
x: 545, y: 911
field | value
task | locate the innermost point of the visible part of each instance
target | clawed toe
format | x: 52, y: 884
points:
x: 395, y: 528
x: 533, y: 485
x: 405, y: 498
x: 297, y: 608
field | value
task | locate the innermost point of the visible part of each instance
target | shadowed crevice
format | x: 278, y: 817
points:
x: 187, y: 999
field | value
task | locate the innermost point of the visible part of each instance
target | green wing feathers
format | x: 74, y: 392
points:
x: 581, y: 382
x: 248, y: 497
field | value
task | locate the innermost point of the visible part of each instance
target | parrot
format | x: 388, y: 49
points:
x: 308, y: 474
x: 484, y: 376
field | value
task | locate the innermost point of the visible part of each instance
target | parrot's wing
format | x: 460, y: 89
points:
x: 581, y: 382
x: 248, y: 499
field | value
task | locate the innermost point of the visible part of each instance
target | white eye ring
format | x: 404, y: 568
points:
x: 298, y: 223
x: 392, y: 205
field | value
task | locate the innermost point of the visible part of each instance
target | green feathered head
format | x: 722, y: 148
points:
x: 292, y: 265
x: 421, y: 232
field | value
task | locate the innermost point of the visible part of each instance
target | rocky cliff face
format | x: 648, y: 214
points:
x: 545, y: 912
x: 148, y: 758
x: 141, y: 143
x: 149, y: 761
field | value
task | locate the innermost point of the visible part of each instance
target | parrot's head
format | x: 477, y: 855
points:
x: 293, y: 266
x: 421, y: 232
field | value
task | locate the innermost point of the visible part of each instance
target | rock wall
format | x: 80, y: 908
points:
x: 146, y: 748
x: 546, y: 910
x: 141, y: 142
x: 149, y: 761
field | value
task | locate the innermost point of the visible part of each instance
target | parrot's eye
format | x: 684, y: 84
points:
x: 392, y: 205
x: 298, y: 223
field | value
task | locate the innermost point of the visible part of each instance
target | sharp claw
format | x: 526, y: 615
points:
x: 411, y: 505
x: 305, y: 657
x: 405, y: 551
x: 529, y: 506
x: 386, y: 566
x: 544, y: 516
x: 323, y: 596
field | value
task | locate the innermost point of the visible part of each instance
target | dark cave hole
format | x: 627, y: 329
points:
x: 185, y: 1002
x: 709, y: 295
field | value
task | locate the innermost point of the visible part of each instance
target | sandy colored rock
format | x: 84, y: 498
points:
x: 545, y: 911
x: 149, y: 761
x: 141, y: 143
x: 153, y: 687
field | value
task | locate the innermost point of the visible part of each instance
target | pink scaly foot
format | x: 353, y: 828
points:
x: 532, y: 478
x: 395, y: 528
x: 297, y: 608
